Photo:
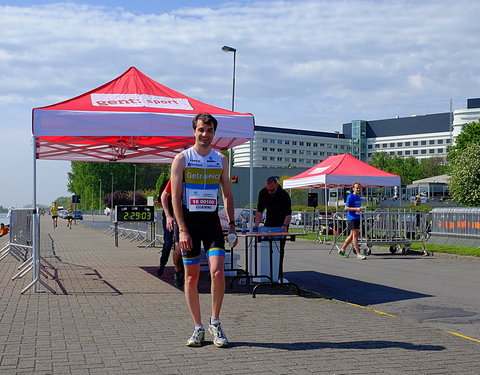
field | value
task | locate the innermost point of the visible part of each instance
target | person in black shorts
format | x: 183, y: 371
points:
x: 353, y: 206
x: 197, y: 175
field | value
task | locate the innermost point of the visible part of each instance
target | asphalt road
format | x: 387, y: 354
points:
x: 433, y: 291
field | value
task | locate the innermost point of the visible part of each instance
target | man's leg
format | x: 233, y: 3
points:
x: 217, y: 265
x: 192, y: 272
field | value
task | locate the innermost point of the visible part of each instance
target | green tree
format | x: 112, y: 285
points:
x: 430, y: 167
x: 84, y: 179
x: 464, y: 183
x: 470, y: 134
x: 380, y: 160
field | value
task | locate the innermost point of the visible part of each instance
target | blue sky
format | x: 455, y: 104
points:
x: 312, y: 64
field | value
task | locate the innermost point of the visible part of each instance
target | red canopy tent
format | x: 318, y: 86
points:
x: 341, y: 170
x: 131, y: 117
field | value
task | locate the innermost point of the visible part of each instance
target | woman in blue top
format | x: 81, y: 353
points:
x: 353, y: 206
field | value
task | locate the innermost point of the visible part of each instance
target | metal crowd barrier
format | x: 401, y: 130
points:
x: 24, y: 239
x: 397, y: 229
x: 143, y: 232
x: 458, y: 226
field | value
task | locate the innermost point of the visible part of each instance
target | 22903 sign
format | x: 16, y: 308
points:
x: 135, y: 213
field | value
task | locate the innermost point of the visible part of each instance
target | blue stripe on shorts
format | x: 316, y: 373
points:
x: 215, y: 251
x: 189, y: 261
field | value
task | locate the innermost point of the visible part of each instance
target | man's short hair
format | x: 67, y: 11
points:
x: 207, y: 118
x: 272, y: 180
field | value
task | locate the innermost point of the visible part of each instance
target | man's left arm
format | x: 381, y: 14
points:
x: 228, y: 197
x: 288, y: 212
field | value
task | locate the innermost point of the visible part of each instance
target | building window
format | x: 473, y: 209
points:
x: 448, y: 140
x: 272, y: 158
x: 322, y: 144
x: 315, y: 144
x: 440, y: 150
x: 279, y: 149
x: 264, y: 158
x: 287, y: 151
x: 301, y: 152
x: 272, y: 140
x: 294, y: 160
x: 264, y: 140
x: 384, y: 145
x: 309, y: 144
x: 294, y: 143
x: 440, y: 141
x: 431, y: 142
x: 279, y: 141
x: 423, y: 143
x: 407, y: 152
x: 407, y: 144
x: 399, y: 153
x: 399, y: 144
x: 309, y: 153
x: 329, y: 145
x: 300, y: 143
x: 287, y: 142
x: 264, y: 149
x: 392, y: 153
x: 415, y: 152
x: 272, y: 149
x: 423, y: 152
x: 314, y: 153
x: 321, y: 153
x: 370, y: 147
x: 392, y: 144
x: 415, y: 143
x: 431, y: 151
x: 294, y: 151
x: 377, y: 146
x: 279, y: 158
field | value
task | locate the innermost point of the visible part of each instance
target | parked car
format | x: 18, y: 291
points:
x: 62, y: 214
x: 78, y: 215
x: 245, y: 216
x: 298, y: 217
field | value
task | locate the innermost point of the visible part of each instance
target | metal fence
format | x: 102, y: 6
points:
x: 397, y: 229
x: 457, y: 226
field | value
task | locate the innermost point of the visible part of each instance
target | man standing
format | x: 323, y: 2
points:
x: 279, y: 210
x: 170, y: 235
x: 197, y: 173
x: 278, y: 204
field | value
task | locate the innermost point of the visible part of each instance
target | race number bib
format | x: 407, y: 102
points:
x: 202, y: 200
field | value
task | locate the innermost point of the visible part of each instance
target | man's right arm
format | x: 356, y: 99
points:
x: 176, y: 177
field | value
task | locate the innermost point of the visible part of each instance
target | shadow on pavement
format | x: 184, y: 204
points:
x: 367, y: 344
x: 350, y: 290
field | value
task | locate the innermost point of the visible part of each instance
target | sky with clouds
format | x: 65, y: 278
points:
x: 300, y: 64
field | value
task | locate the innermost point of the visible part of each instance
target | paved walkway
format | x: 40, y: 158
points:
x: 113, y: 315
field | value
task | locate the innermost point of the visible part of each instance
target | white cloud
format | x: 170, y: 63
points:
x: 302, y: 64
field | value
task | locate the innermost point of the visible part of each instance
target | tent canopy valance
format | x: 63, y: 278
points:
x: 341, y: 170
x: 130, y: 119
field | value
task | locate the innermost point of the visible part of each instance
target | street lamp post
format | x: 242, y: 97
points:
x: 338, y: 140
x: 134, y: 182
x: 100, y: 198
x: 234, y: 50
x: 111, y: 200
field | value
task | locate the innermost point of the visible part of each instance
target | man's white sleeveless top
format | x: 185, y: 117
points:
x: 201, y: 180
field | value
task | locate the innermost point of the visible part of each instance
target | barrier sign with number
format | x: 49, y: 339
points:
x: 135, y: 213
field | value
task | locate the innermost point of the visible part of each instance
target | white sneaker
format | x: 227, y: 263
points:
x: 219, y: 338
x: 197, y: 338
x: 361, y: 257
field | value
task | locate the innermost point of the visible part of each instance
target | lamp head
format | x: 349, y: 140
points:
x: 228, y: 49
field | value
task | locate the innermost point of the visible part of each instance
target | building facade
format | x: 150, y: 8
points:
x: 420, y: 136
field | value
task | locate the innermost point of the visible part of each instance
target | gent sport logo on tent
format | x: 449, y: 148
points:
x: 139, y: 100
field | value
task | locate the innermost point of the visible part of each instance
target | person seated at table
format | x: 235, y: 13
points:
x: 3, y: 230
